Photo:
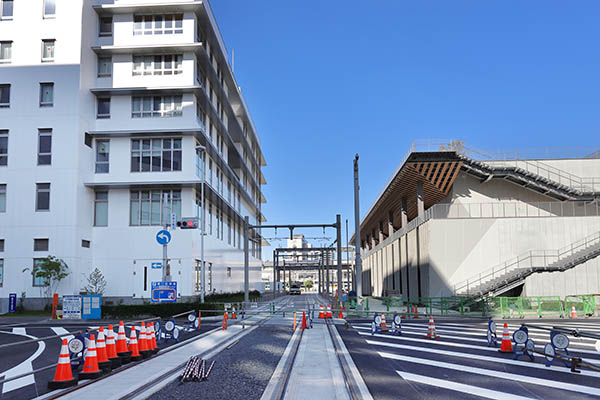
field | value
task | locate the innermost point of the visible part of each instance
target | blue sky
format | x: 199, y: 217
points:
x: 327, y: 79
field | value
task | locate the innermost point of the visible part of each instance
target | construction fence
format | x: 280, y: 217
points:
x: 505, y: 307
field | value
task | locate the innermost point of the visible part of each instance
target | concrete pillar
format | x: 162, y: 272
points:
x: 390, y: 223
x: 373, y: 244
x: 380, y: 233
x: 404, y: 215
x: 420, y: 200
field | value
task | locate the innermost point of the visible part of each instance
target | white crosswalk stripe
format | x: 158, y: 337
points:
x: 460, y: 387
x: 59, y: 330
x: 493, y: 373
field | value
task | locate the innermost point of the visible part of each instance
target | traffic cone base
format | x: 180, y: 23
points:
x: 63, y: 378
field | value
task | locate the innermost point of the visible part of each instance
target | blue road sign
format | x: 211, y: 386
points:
x: 157, y: 265
x: 12, y: 302
x: 163, y: 237
x: 164, y: 292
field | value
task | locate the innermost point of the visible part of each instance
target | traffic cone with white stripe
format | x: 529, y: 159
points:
x: 233, y: 315
x: 111, y: 348
x: 63, y: 377
x: 133, y: 346
x: 573, y: 311
x: 321, y: 312
x: 122, y: 350
x: 103, y: 361
x: 225, y: 321
x: 328, y: 315
x: 143, y: 343
x: 383, y: 325
x: 431, y: 332
x: 506, y: 346
x: 153, y: 338
x: 90, y: 365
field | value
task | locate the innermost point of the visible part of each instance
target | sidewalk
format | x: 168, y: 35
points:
x: 316, y: 373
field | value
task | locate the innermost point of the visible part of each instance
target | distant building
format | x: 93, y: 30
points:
x: 453, y: 220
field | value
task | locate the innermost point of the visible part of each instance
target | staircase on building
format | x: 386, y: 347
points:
x: 512, y: 273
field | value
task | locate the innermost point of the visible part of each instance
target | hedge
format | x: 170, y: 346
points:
x: 165, y: 310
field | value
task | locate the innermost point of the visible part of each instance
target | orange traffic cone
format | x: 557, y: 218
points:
x: 143, y: 342
x: 431, y: 333
x: 233, y: 316
x: 415, y: 311
x: 153, y: 338
x: 303, y: 326
x: 63, y: 377
x: 90, y: 366
x: 111, y: 348
x: 340, y: 315
x: 103, y: 361
x: 506, y: 346
x: 573, y: 311
x: 224, y: 321
x: 321, y: 312
x: 383, y: 325
x: 328, y: 315
x: 133, y: 346
x: 199, y: 319
x: 122, y: 350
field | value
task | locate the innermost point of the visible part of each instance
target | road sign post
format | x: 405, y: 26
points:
x: 163, y: 237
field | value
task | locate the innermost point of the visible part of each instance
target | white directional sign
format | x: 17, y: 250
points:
x: 163, y: 237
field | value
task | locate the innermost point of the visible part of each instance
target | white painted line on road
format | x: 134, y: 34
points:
x: 59, y: 330
x: 495, y: 374
x: 460, y: 387
x: 510, y: 361
x: 22, y: 368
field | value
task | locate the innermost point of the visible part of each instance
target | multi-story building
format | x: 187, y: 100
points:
x: 453, y: 220
x: 103, y: 105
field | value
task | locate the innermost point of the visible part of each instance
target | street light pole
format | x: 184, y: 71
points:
x: 201, y: 149
x: 357, y: 265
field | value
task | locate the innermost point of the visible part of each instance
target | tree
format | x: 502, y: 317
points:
x: 96, y: 283
x: 308, y: 284
x: 50, y: 271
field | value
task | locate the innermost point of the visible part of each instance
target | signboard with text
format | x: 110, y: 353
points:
x: 91, y: 306
x: 72, y: 307
x: 164, y: 292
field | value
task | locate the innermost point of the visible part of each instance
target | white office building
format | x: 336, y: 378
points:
x: 102, y: 107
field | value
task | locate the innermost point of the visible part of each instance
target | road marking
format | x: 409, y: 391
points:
x: 59, y: 330
x: 22, y: 368
x: 460, y: 387
x: 528, y: 364
x: 573, y: 349
x: 495, y: 374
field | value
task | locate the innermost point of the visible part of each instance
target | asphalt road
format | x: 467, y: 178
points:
x: 23, y: 358
x: 460, y: 365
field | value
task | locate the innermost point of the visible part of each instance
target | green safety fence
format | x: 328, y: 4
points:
x: 505, y: 307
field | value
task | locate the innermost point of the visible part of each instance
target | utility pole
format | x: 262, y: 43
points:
x: 338, y: 222
x: 202, y: 149
x: 246, y: 261
x: 358, y: 267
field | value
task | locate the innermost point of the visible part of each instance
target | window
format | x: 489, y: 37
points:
x: 103, y: 108
x: 48, y: 50
x: 3, y: 148
x: 85, y: 243
x: 5, y: 52
x: 87, y: 139
x: 1, y: 245
x: 44, y: 146
x: 6, y: 9
x: 42, y: 198
x: 41, y: 244
x: 156, y: 106
x: 105, y: 26
x: 146, y: 206
x: 2, y: 198
x: 46, y: 94
x: 4, y: 96
x: 38, y: 281
x: 157, y: 65
x: 155, y: 155
x: 102, y: 153
x: 158, y: 24
x: 49, y: 8
x: 1, y: 272
x: 104, y: 66
x: 229, y: 272
x: 101, y: 209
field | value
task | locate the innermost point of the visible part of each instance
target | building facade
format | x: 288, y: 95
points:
x: 104, y: 109
x: 454, y: 220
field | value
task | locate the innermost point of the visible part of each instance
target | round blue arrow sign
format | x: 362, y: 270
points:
x: 163, y: 237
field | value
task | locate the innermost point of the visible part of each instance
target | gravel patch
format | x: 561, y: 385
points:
x: 241, y: 372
